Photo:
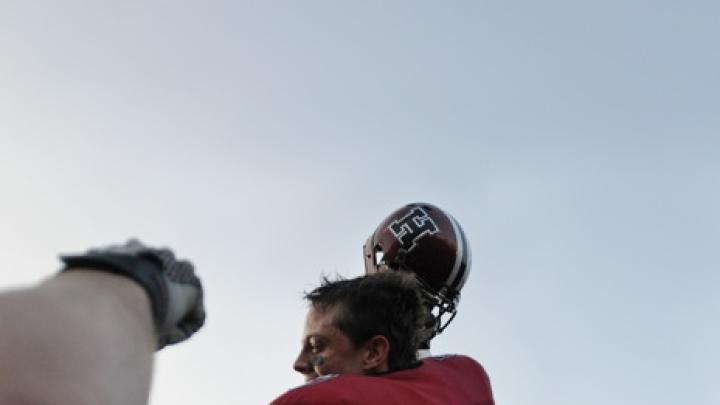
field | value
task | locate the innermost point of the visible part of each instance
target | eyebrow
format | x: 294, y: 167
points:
x: 306, y: 340
x: 314, y: 335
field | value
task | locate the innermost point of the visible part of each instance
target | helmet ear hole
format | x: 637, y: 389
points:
x: 379, y: 254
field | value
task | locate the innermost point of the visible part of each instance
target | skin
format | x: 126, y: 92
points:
x: 82, y: 338
x: 327, y: 350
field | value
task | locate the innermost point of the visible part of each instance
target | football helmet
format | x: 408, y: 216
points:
x: 425, y: 240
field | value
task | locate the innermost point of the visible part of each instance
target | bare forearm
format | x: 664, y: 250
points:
x: 83, y: 337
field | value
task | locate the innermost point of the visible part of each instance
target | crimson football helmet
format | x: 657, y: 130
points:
x: 425, y: 240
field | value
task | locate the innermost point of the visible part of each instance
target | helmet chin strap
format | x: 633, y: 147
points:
x: 439, y: 309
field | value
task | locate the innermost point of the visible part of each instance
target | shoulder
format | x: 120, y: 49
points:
x: 388, y: 388
x: 455, y: 362
x: 320, y: 391
x: 452, y: 359
x: 466, y: 377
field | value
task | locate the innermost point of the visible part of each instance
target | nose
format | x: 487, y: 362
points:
x: 302, y: 365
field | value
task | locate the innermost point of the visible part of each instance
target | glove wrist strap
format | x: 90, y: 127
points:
x: 143, y: 270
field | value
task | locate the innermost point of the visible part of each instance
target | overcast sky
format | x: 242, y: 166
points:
x: 578, y: 143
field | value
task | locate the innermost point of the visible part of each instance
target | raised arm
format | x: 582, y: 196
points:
x: 87, y: 336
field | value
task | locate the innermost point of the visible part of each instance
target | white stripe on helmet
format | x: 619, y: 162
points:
x: 460, y: 241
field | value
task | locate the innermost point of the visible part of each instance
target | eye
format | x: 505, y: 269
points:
x: 315, y: 346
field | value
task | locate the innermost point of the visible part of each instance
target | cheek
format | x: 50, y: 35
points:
x: 324, y: 364
x: 338, y: 363
x: 317, y: 361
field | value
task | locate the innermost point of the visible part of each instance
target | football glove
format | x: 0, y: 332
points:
x: 175, y: 292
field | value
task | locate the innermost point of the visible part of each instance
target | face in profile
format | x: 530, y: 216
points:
x: 325, y: 349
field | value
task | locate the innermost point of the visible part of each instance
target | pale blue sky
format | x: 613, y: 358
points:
x: 577, y: 143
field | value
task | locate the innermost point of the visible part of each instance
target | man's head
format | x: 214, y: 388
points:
x: 366, y: 325
x: 424, y: 240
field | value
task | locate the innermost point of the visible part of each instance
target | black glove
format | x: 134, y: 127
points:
x: 176, y: 294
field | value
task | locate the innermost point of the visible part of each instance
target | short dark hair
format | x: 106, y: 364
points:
x: 385, y: 303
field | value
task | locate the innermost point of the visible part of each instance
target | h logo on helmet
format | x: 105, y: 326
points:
x: 412, y: 227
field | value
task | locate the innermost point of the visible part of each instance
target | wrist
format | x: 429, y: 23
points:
x: 118, y: 291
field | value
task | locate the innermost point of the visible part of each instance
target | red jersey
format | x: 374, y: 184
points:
x: 442, y: 380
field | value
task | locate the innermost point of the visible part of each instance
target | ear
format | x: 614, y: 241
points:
x: 377, y: 350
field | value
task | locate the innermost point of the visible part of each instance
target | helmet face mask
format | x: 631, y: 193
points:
x: 423, y: 239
